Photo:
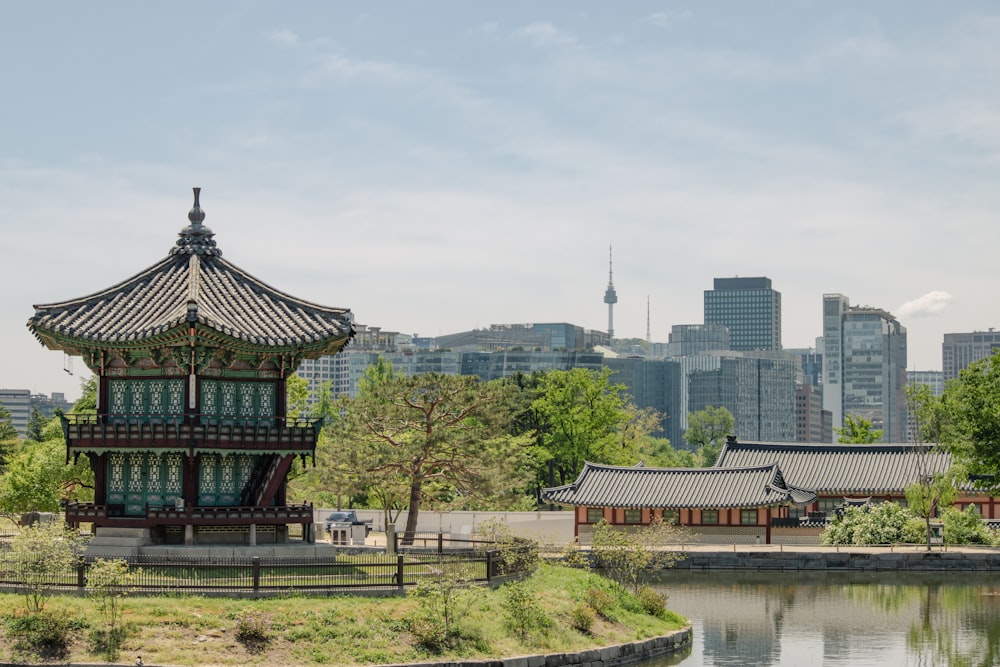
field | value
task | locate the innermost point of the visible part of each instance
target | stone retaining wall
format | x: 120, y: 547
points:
x: 608, y: 656
x: 934, y: 561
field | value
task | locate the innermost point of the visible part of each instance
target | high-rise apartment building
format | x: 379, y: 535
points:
x: 759, y: 392
x: 688, y: 339
x: 749, y: 308
x: 961, y: 349
x: 18, y: 403
x: 864, y: 362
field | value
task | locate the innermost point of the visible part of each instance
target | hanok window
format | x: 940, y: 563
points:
x: 594, y: 514
x: 710, y: 517
x: 633, y: 516
x: 748, y: 517
x: 670, y: 518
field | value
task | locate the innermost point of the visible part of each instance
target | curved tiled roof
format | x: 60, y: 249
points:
x: 676, y: 488
x: 874, y: 469
x: 193, y: 285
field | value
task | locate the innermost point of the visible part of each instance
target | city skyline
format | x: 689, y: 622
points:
x: 439, y: 171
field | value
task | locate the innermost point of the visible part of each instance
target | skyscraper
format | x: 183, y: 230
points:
x: 749, y: 308
x: 961, y: 349
x: 864, y: 362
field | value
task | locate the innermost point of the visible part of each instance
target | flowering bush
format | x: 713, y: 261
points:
x: 878, y: 523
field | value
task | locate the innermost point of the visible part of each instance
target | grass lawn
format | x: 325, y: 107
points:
x: 343, y: 630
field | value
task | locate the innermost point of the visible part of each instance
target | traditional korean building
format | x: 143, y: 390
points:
x: 768, y: 492
x: 191, y: 442
x: 730, y: 502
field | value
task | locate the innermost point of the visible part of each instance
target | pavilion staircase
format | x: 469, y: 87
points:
x: 273, y: 479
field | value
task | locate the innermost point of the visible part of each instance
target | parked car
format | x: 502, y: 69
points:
x: 344, y: 518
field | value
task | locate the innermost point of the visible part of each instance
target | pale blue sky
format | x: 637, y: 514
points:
x: 442, y: 166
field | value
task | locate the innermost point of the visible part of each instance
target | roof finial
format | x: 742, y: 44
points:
x: 196, y: 215
x: 196, y: 238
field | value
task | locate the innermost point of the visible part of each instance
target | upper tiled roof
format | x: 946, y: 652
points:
x: 193, y: 284
x: 677, y: 488
x: 854, y: 470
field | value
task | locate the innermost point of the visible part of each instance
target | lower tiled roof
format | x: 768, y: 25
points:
x: 678, y: 488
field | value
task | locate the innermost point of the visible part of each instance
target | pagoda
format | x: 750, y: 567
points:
x: 191, y: 443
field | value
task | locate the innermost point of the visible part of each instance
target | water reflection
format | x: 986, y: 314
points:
x: 836, y: 618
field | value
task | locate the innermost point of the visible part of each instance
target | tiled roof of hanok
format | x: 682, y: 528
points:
x: 840, y: 469
x: 193, y: 284
x: 678, y: 488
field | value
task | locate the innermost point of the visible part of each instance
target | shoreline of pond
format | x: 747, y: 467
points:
x: 842, y: 558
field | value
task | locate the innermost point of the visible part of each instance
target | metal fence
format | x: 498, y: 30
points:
x: 354, y: 573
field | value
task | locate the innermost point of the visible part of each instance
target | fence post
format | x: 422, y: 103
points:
x: 255, y: 569
x: 440, y: 542
x: 399, y: 571
x: 81, y: 573
x: 489, y: 566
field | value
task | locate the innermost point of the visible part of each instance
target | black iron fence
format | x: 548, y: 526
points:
x: 354, y: 573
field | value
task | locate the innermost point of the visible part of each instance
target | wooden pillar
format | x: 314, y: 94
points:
x: 252, y: 537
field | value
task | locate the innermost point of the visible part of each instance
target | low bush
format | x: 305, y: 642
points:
x: 253, y: 629
x: 582, y: 618
x: 652, y: 601
x: 47, y: 634
x: 602, y: 602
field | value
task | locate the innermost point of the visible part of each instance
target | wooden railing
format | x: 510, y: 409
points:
x: 97, y: 431
x: 204, y: 516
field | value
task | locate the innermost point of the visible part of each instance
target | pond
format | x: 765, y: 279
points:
x: 751, y: 618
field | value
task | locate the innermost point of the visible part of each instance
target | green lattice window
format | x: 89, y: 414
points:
x: 246, y: 403
x: 138, y: 479
x: 221, y: 478
x: 144, y: 401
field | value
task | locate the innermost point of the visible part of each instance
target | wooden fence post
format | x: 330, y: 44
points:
x: 255, y: 568
x: 440, y: 542
x: 399, y: 571
x: 489, y: 566
x: 81, y: 573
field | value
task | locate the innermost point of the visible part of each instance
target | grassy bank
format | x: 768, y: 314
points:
x: 537, y: 617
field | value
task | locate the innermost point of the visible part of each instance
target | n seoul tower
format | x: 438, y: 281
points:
x: 610, y: 298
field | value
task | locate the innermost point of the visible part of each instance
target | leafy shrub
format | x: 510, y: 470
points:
x: 522, y: 612
x: 45, y: 633
x: 253, y: 625
x: 428, y: 630
x: 652, y: 601
x: 582, y: 617
x: 965, y: 527
x: 253, y: 629
x: 879, y: 523
x: 602, y: 602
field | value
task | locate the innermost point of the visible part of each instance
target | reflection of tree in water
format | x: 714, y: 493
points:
x: 958, y: 626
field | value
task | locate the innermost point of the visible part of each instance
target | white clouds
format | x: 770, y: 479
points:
x: 284, y: 38
x: 543, y: 33
x: 668, y: 19
x: 931, y: 304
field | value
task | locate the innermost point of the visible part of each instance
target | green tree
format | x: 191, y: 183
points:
x: 36, y: 424
x: 630, y: 557
x: 87, y: 403
x: 707, y: 431
x: 581, y: 416
x: 429, y: 429
x: 857, y: 431
x: 108, y: 582
x: 296, y: 396
x: 37, y: 477
x: 971, y: 421
x: 44, y: 554
x: 8, y: 436
x: 931, y: 491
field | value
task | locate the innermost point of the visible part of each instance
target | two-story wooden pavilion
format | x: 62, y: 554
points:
x: 191, y: 442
